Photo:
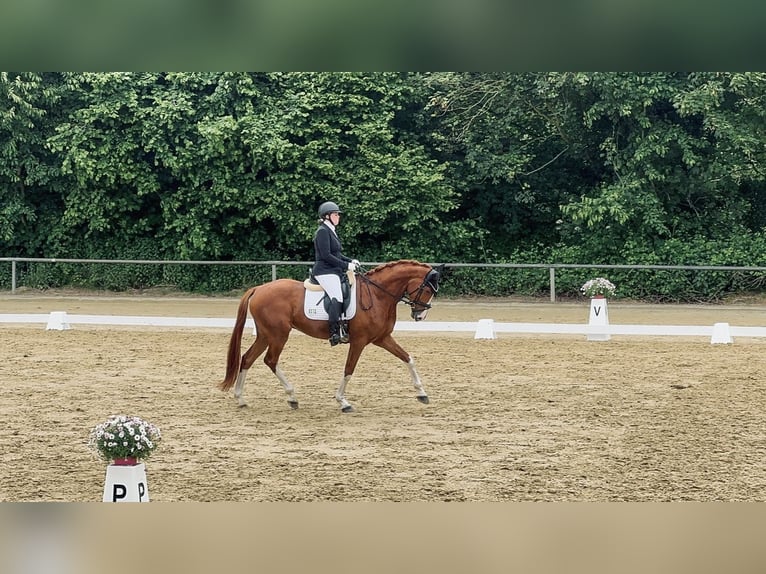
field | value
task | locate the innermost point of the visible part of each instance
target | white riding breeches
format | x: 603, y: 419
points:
x: 331, y: 284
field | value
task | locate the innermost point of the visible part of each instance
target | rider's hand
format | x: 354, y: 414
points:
x: 356, y: 262
x: 352, y: 266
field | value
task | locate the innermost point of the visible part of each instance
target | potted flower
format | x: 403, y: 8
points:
x: 598, y: 288
x: 124, y: 440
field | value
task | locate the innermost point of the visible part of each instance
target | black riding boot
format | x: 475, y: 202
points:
x: 333, y: 314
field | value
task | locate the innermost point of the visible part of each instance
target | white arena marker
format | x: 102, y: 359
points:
x: 598, y: 320
x: 57, y: 321
x: 721, y: 334
x: 485, y: 329
x: 126, y: 484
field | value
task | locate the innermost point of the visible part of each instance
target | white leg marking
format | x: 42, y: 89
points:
x: 289, y: 389
x: 239, y: 386
x: 340, y: 394
x: 416, y: 378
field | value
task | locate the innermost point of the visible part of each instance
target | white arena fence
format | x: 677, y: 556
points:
x: 482, y: 329
x: 550, y: 267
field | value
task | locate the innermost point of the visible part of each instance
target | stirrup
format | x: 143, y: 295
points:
x: 344, y: 332
x: 335, y: 340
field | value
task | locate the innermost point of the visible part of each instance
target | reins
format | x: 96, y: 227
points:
x: 404, y: 298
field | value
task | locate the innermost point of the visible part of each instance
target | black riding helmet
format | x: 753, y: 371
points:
x: 327, y: 208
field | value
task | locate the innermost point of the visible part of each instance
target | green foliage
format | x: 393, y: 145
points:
x: 601, y: 168
x: 678, y: 285
x: 496, y: 281
x: 29, y: 186
x: 564, y: 157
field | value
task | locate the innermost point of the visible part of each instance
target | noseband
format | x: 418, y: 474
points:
x: 431, y: 280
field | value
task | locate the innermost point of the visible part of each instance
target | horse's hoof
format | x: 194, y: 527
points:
x: 293, y: 404
x: 423, y: 399
x: 348, y: 409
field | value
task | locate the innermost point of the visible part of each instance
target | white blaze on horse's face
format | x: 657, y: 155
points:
x: 419, y: 313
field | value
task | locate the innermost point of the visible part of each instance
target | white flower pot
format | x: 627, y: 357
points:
x: 126, y: 483
x: 598, y: 320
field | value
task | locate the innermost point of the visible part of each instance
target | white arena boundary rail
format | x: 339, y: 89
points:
x: 550, y: 268
x: 482, y: 329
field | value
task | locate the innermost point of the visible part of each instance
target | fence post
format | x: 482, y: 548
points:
x: 13, y: 276
x: 552, y: 272
x: 274, y: 272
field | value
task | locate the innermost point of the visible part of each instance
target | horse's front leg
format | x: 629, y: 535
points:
x: 340, y: 395
x: 389, y: 344
x: 354, y: 352
x: 421, y: 394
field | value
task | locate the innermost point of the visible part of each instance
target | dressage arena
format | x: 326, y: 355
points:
x: 516, y: 418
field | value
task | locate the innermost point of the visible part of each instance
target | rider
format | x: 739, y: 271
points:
x: 329, y: 265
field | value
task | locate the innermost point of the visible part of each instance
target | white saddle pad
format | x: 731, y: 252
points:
x: 313, y: 306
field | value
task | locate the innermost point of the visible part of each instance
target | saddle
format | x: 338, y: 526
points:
x: 316, y: 302
x: 346, y: 281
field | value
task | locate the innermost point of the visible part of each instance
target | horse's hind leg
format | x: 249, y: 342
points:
x: 289, y: 389
x: 248, y: 359
x: 272, y: 361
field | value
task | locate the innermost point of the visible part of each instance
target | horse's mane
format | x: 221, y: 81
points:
x: 384, y: 266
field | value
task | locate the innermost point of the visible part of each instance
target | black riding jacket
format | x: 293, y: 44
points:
x: 327, y: 253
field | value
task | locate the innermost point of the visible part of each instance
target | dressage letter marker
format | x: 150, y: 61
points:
x: 57, y: 321
x: 721, y: 334
x: 598, y: 320
x: 126, y: 484
x: 485, y: 329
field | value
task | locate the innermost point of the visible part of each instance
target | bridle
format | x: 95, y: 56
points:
x: 431, y: 280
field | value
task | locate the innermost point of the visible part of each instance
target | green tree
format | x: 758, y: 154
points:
x: 29, y: 190
x: 340, y: 136
x: 233, y: 165
x: 110, y: 192
x: 598, y: 160
x: 512, y: 144
x: 678, y: 149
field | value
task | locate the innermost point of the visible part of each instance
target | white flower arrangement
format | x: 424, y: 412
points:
x: 598, y: 286
x: 122, y: 436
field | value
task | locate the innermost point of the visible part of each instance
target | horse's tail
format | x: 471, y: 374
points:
x: 234, y: 356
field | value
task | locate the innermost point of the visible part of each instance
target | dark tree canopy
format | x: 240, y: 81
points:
x: 662, y: 167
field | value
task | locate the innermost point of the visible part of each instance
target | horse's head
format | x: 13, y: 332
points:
x: 408, y: 281
x: 420, y: 300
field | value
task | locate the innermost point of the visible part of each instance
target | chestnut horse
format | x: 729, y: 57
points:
x: 277, y: 308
